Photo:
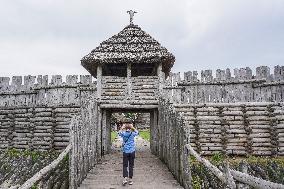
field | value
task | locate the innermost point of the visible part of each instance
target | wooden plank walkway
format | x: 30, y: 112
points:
x: 149, y: 171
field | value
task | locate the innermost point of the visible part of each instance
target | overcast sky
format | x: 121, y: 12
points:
x: 51, y: 36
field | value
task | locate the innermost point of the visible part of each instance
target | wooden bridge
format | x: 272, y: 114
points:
x: 149, y: 171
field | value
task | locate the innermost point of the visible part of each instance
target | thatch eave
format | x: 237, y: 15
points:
x: 131, y: 45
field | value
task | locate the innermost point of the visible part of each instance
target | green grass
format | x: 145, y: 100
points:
x: 113, y: 136
x: 145, y: 134
x: 34, y: 187
x: 33, y: 154
x: 217, y: 158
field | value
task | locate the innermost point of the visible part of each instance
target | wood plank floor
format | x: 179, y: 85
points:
x: 149, y: 171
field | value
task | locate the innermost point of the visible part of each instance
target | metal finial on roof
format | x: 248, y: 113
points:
x: 131, y: 14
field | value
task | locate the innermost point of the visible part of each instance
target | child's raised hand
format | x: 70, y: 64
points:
x: 133, y: 128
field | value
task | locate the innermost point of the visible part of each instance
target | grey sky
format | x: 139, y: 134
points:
x: 51, y: 36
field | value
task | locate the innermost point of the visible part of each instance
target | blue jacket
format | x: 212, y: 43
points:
x: 128, y: 146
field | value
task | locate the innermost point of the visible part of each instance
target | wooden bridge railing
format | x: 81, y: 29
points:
x: 174, y: 149
x: 86, y: 142
x: 171, y: 139
x: 229, y: 176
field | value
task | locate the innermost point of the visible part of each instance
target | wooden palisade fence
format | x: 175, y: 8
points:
x: 86, y: 142
x: 170, y: 145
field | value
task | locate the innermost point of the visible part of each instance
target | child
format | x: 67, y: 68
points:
x: 128, y: 132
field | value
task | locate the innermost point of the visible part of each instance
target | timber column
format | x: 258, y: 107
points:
x: 99, y: 81
x: 154, y: 131
x: 161, y: 77
x: 129, y: 82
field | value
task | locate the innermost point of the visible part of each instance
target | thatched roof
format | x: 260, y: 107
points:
x: 132, y: 45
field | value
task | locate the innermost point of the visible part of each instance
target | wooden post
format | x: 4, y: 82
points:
x: 95, y: 132
x: 197, y: 130
x: 187, y: 172
x: 104, y: 132
x: 99, y: 81
x: 99, y: 133
x: 159, y: 132
x: 155, y: 125
x: 244, y: 169
x: 161, y: 76
x: 129, y: 82
x: 152, y: 134
x: 273, y: 130
x: 229, y: 178
x: 32, y: 128
x: 52, y: 145
x: 108, y: 131
x: 11, y: 130
x: 248, y: 130
x: 224, y: 139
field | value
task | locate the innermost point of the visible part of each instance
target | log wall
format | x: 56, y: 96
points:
x: 235, y: 128
x: 144, y: 88
x: 39, y: 128
x: 129, y: 90
x: 36, y: 115
x: 113, y: 88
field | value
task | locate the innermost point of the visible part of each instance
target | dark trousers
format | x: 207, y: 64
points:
x: 128, y: 162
